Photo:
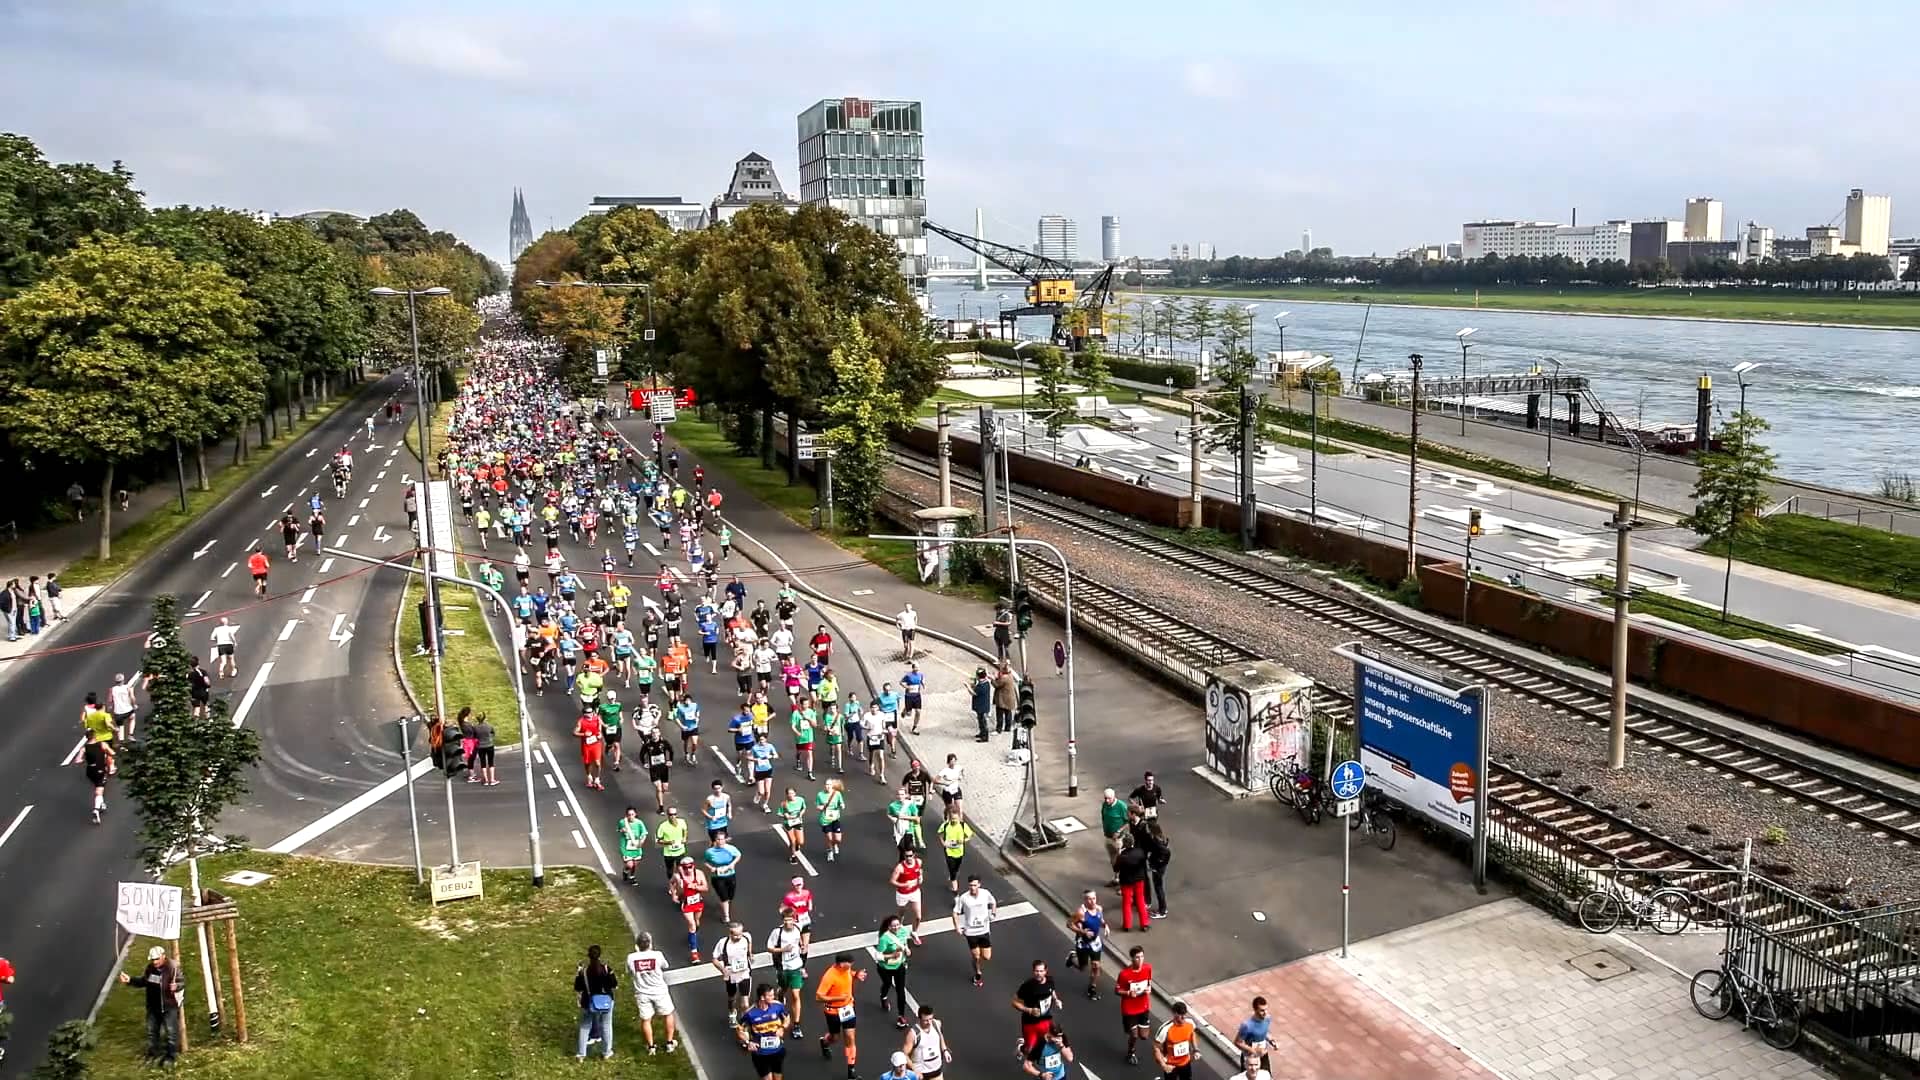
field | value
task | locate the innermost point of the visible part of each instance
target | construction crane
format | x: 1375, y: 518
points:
x: 1077, y: 315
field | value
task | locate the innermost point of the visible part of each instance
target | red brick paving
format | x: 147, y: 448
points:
x: 1329, y: 1026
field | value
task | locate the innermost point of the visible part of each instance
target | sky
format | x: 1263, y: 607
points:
x: 1209, y: 121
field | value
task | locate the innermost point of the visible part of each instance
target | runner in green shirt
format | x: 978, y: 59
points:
x: 801, y: 720
x: 588, y: 686
x: 904, y: 812
x: 633, y: 843
x: 644, y: 666
x: 793, y: 816
x: 835, y: 728
x: 831, y: 803
x: 892, y: 947
x: 610, y: 726
x: 671, y: 836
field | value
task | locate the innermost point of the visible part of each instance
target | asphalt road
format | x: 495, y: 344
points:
x: 296, y: 651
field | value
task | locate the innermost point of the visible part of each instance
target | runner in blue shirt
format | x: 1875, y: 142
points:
x: 717, y: 809
x: 889, y: 703
x: 709, y: 637
x: 523, y: 607
x: 764, y: 754
x: 763, y: 1033
x: 741, y: 724
x: 569, y: 658
x: 1049, y: 1057
x: 815, y: 672
x: 540, y: 603
x: 687, y: 712
x: 911, y: 684
x: 723, y: 863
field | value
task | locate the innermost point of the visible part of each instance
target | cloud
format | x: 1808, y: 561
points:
x: 1212, y: 79
x: 450, y: 50
x: 264, y: 115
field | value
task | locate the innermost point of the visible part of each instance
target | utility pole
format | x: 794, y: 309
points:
x: 1197, y: 516
x: 989, y: 473
x: 1622, y: 525
x: 943, y: 452
x: 1248, y: 513
x: 1413, y: 475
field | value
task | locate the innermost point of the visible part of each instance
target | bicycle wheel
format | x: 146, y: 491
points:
x: 1281, y: 785
x: 1782, y: 1029
x: 1385, y: 832
x: 1712, y: 994
x: 1670, y: 910
x: 1600, y: 912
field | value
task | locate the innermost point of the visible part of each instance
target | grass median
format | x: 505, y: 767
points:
x: 167, y: 521
x: 350, y: 973
x: 1871, y: 559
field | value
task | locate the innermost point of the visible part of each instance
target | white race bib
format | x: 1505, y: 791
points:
x: 769, y: 1042
x: 845, y: 1013
x: 1180, y: 1048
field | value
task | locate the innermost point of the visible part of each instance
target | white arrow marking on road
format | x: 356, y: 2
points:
x: 269, y: 491
x: 352, y: 809
x: 287, y: 630
x: 405, y: 478
x: 253, y: 692
x: 230, y: 568
x: 204, y: 548
x: 380, y: 535
x: 592, y: 838
x: 681, y: 976
x: 17, y: 819
x: 352, y: 521
x: 326, y: 565
x: 338, y: 636
x: 363, y: 503
x: 307, y: 597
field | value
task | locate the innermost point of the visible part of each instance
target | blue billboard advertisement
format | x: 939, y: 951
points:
x: 1422, y: 740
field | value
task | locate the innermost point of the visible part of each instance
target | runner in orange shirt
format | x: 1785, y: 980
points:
x: 673, y: 667
x: 835, y: 995
x: 1173, y: 1048
x: 257, y: 566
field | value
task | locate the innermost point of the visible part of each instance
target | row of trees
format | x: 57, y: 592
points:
x: 1321, y: 266
x: 803, y: 315
x: 130, y: 335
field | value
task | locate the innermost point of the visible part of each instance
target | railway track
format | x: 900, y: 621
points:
x: 1879, y: 812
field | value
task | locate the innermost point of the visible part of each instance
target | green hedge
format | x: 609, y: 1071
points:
x: 1121, y: 367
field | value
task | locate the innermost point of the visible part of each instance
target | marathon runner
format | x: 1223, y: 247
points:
x: 973, y: 915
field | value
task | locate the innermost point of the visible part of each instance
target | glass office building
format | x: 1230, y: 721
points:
x: 865, y: 158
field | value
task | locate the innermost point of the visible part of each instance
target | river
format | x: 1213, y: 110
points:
x: 1844, y: 403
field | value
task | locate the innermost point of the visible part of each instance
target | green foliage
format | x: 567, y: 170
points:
x: 1199, y: 320
x: 47, y: 209
x: 1090, y: 367
x: 68, y: 1049
x: 867, y: 411
x: 1049, y: 387
x: 1123, y: 367
x: 1730, y: 491
x: 185, y: 769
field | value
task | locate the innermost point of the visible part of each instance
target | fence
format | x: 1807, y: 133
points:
x: 1865, y: 515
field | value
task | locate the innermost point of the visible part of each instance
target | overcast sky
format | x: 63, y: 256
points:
x: 1238, y: 124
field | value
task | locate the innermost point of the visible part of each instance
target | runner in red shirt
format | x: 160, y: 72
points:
x: 257, y: 566
x: 592, y: 745
x: 1134, y: 987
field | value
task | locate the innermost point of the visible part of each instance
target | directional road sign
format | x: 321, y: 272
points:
x: 1348, y: 779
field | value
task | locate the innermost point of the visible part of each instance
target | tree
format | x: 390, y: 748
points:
x: 549, y: 258
x: 1050, y: 381
x: 1199, y: 320
x: 121, y: 349
x: 1090, y: 367
x: 1730, y: 491
x: 866, y: 411
x: 67, y: 1051
x: 46, y: 209
x: 185, y: 770
x: 1236, y: 330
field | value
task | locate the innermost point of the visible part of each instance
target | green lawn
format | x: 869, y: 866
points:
x: 350, y: 974
x: 1882, y: 562
x: 167, y: 521
x: 1707, y: 619
x: 1771, y: 304
x: 473, y: 671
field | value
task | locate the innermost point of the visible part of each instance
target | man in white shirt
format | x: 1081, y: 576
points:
x: 782, y: 642
x: 787, y: 946
x: 908, y: 621
x: 647, y: 966
x: 121, y: 704
x: 973, y: 914
x: 223, y: 638
x: 733, y: 959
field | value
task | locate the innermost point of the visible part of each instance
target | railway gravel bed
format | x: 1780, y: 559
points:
x: 1663, y: 793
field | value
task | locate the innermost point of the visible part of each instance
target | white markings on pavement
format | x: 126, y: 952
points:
x: 382, y: 475
x: 380, y: 534
x: 579, y: 843
x: 204, y: 548
x: 253, y: 692
x: 302, y: 491
x: 651, y: 550
x: 363, y: 503
x: 287, y: 630
x: 851, y: 942
x: 352, y: 809
x: 371, y: 488
x: 326, y: 564
x: 17, y: 819
x: 230, y: 568
x: 254, y: 543
x: 679, y: 573
x: 338, y: 636
x: 198, y: 604
x: 269, y: 491
x: 598, y: 852
x: 313, y: 451
x: 551, y: 784
x: 352, y: 521
x: 564, y: 812
x: 307, y: 597
x: 727, y: 764
x: 781, y: 831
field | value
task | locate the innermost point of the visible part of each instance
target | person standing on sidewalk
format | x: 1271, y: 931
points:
x: 1006, y: 697
x: 595, y: 982
x: 6, y: 613
x: 1159, y: 856
x: 160, y: 982
x: 1002, y: 627
x: 1113, y: 827
x: 1130, y: 866
x: 982, y: 703
x: 53, y: 597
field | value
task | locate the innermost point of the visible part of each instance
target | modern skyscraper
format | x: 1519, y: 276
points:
x: 519, y: 228
x: 1203, y: 251
x: 1109, y: 239
x: 1869, y: 222
x: 1306, y: 241
x: 1058, y: 238
x: 866, y: 158
x: 1703, y: 218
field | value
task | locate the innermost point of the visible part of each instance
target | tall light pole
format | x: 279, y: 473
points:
x: 1308, y: 371
x: 433, y: 633
x: 1022, y: 364
x: 1280, y: 324
x: 1733, y: 512
x: 1413, y: 473
x: 1551, y: 394
x: 1168, y: 306
x: 1462, y: 335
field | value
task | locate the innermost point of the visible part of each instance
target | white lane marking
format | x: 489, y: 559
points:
x: 17, y: 819
x: 372, y: 488
x: 230, y: 569
x: 728, y: 764
x: 353, y: 808
x: 579, y: 843
x: 551, y: 785
x: 254, y: 544
x: 352, y: 521
x: 269, y: 491
x: 599, y: 853
x: 253, y: 692
x: 382, y: 476
x: 564, y: 812
x: 313, y: 451
x: 287, y: 630
x: 679, y: 573
x: 307, y: 597
x: 651, y: 550
x: 852, y: 942
x: 781, y: 831
x: 197, y: 604
x: 363, y: 503
x: 204, y: 548
x: 287, y: 509
x: 302, y: 491
x: 326, y: 565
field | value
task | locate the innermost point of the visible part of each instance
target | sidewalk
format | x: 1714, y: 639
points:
x: 1443, y: 982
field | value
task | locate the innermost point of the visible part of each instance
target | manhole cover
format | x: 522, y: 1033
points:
x: 1600, y: 965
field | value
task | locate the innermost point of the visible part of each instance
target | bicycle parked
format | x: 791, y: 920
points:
x: 1298, y: 786
x: 1718, y: 992
x: 1668, y: 909
x: 1374, y: 821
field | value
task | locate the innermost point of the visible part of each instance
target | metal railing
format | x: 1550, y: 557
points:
x: 1865, y: 515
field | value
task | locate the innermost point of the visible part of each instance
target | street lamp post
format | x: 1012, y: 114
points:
x: 1309, y: 371
x: 1280, y: 324
x: 1021, y: 362
x: 1551, y: 394
x: 1733, y: 512
x: 1462, y: 337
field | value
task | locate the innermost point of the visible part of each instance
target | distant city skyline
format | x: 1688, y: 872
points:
x: 446, y: 109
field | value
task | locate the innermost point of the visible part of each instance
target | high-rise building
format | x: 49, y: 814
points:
x: 1203, y: 251
x: 1173, y: 252
x: 1306, y: 242
x: 519, y: 228
x: 753, y: 184
x: 1703, y: 218
x: 1058, y: 238
x: 1186, y: 252
x: 1757, y: 243
x: 866, y: 159
x: 1869, y: 222
x: 1648, y: 240
x: 1109, y: 239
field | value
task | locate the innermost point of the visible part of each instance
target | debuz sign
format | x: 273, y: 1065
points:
x: 148, y: 910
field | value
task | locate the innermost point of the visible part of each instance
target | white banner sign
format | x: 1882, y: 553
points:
x: 148, y: 910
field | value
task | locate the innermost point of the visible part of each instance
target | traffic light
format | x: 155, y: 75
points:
x: 1023, y: 608
x: 1473, y: 522
x: 1026, y: 713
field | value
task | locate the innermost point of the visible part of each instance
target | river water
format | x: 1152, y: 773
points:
x: 1844, y: 404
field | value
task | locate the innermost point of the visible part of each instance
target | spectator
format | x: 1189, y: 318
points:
x: 1006, y: 695
x: 594, y: 981
x: 982, y: 702
x: 53, y: 597
x: 161, y: 983
x: 1113, y: 826
x: 1002, y: 627
x: 1059, y: 658
x: 36, y: 614
x: 1130, y: 867
x: 6, y: 612
x: 1159, y: 856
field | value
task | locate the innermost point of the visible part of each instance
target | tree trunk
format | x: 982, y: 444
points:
x: 240, y: 443
x: 266, y: 418
x: 303, y: 397
x: 793, y: 447
x: 106, y: 513
x: 287, y: 385
x: 200, y: 463
x: 766, y: 438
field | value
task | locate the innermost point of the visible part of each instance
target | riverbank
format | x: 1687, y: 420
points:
x: 1767, y: 307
